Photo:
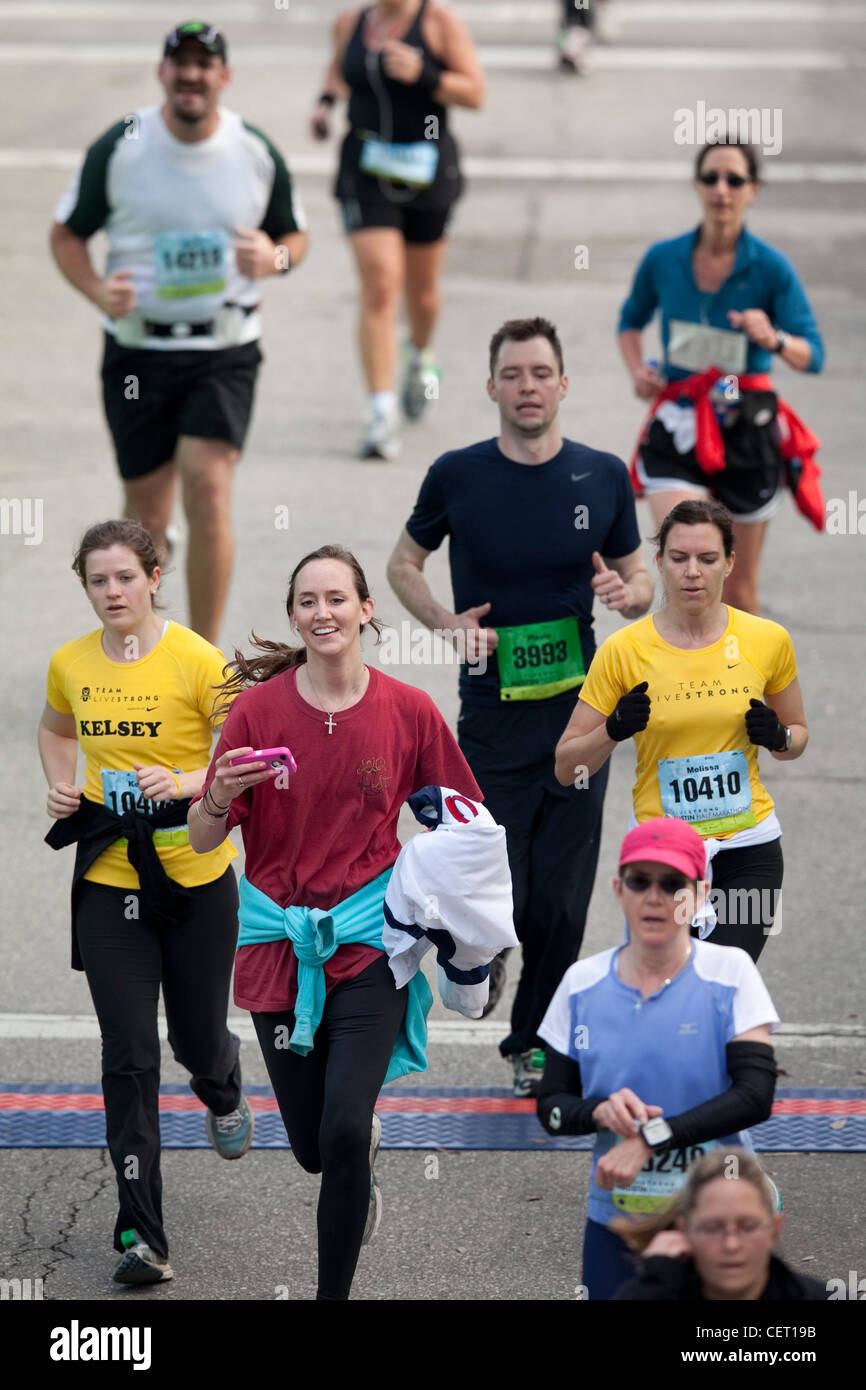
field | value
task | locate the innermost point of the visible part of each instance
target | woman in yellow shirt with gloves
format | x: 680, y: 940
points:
x: 700, y: 686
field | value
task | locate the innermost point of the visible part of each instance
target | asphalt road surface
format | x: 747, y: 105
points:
x: 554, y: 164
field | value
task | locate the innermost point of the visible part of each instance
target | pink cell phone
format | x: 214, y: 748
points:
x: 276, y: 758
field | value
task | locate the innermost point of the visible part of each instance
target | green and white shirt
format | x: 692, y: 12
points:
x: 170, y: 210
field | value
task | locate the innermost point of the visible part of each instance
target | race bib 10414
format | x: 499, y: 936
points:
x: 121, y: 793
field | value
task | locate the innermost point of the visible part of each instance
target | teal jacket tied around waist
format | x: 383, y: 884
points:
x: 315, y: 935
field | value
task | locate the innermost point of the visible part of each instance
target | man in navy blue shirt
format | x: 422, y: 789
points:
x: 538, y: 526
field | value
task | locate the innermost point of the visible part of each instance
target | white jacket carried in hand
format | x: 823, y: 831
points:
x: 450, y: 889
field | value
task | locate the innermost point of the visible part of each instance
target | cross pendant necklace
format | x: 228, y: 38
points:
x: 330, y: 722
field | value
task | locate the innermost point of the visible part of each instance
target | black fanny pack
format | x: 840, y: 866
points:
x: 752, y: 437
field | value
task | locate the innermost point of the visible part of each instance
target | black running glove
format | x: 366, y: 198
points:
x: 631, y: 714
x: 431, y: 74
x: 764, y: 727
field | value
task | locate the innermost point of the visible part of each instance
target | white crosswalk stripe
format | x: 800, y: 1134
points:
x: 444, y: 1032
x: 505, y: 169
x: 494, y: 57
x: 526, y: 13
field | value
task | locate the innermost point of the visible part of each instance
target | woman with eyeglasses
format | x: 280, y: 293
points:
x: 700, y: 686
x: 716, y: 1241
x: 661, y: 1047
x: 729, y: 305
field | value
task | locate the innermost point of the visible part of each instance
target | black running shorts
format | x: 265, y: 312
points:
x: 420, y: 226
x: 151, y: 398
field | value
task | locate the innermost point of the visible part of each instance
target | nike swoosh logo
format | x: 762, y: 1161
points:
x: 731, y: 667
x: 578, y: 477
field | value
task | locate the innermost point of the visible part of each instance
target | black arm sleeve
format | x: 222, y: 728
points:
x: 748, y: 1101
x: 562, y: 1106
x: 660, y: 1279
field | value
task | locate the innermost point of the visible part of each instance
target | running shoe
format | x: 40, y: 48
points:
x: 172, y: 540
x: 139, y: 1265
x: 380, y: 439
x: 232, y: 1134
x: 420, y: 381
x: 528, y: 1071
x: 573, y: 44
x: 496, y: 979
x: 374, y: 1213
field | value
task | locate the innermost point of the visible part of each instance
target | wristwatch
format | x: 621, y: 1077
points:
x: 284, y: 269
x: 782, y: 338
x: 657, y: 1133
x: 789, y: 739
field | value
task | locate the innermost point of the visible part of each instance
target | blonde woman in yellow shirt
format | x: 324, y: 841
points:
x: 700, y: 687
x: 136, y: 697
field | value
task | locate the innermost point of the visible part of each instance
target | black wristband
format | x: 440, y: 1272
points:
x: 327, y: 99
x: 431, y: 74
x: 221, y: 811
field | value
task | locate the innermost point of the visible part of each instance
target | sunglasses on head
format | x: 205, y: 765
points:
x: 670, y: 884
x: 732, y: 180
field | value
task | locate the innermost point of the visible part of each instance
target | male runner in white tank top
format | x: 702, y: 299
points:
x: 197, y: 206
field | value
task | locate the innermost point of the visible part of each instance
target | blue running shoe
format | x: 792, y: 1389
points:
x: 232, y: 1134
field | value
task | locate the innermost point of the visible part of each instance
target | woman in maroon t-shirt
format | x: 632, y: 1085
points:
x: 363, y: 742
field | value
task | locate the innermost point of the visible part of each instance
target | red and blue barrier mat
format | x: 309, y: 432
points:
x: 46, y: 1115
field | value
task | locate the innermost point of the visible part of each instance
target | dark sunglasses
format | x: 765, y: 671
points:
x: 732, y: 180
x: 671, y: 884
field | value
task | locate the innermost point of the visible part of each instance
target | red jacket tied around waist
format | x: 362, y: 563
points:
x: 797, y: 442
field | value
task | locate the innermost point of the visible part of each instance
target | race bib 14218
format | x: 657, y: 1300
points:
x: 190, y: 263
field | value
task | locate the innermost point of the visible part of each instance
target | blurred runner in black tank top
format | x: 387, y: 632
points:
x: 402, y: 65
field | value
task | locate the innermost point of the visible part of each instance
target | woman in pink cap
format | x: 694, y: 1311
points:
x: 660, y: 1046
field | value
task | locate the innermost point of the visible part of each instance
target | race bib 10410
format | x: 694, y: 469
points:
x: 710, y: 790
